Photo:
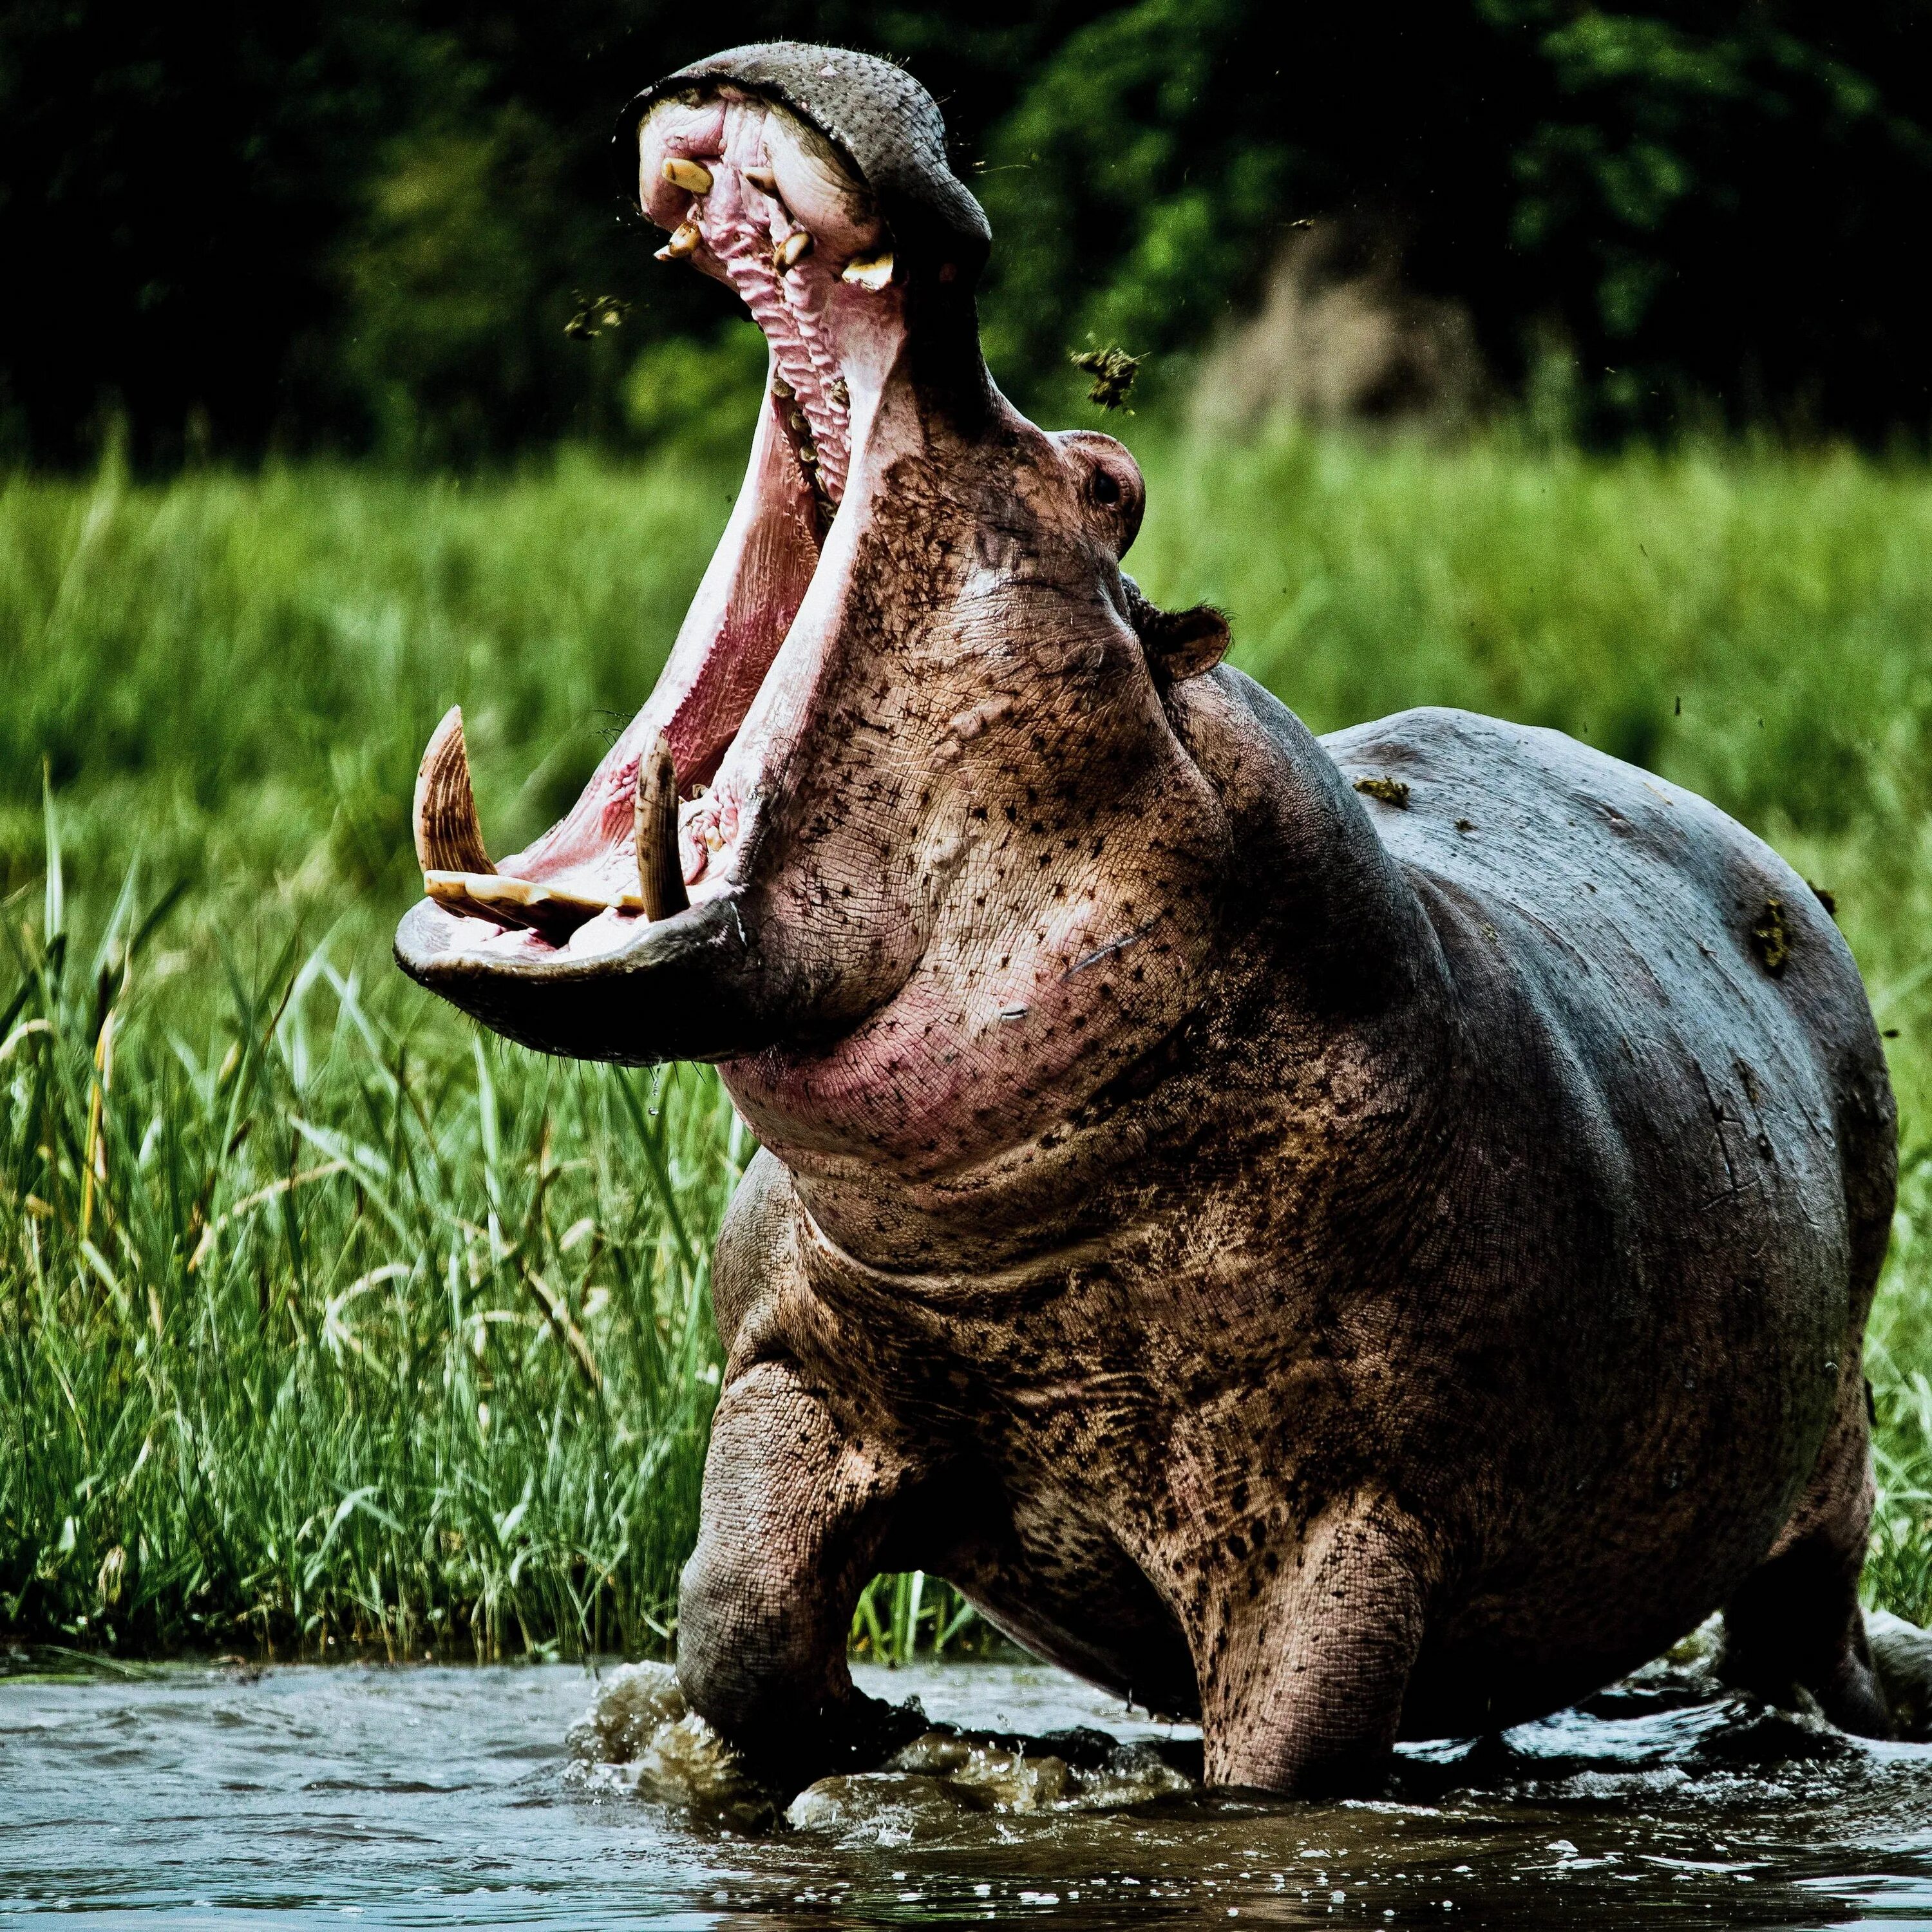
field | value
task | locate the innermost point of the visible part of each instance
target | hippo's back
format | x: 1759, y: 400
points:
x: 1676, y: 1094
x: 1633, y: 903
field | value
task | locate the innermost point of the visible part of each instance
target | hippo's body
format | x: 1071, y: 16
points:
x: 1349, y: 1238
x: 1526, y: 1276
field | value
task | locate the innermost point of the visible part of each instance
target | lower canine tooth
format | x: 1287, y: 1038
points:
x: 448, y: 837
x: 684, y: 242
x: 654, y: 822
x: 792, y: 250
x: 763, y: 180
x: 874, y: 273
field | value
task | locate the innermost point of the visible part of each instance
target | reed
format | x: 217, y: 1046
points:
x: 317, y: 1338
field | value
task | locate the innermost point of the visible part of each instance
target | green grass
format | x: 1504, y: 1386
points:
x: 325, y: 1322
x: 318, y: 1335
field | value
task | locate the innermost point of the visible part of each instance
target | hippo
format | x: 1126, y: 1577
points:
x: 1347, y: 1239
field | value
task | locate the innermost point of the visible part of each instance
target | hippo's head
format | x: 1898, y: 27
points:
x: 906, y: 833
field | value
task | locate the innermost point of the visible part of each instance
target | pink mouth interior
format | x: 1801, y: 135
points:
x: 833, y: 321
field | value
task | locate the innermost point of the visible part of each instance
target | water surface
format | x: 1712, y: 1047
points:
x: 306, y: 1797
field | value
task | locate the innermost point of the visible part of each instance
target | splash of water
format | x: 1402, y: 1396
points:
x: 639, y: 1735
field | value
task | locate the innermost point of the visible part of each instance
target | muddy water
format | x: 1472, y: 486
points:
x: 301, y: 1798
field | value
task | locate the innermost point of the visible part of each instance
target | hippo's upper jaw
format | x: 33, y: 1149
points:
x: 630, y: 931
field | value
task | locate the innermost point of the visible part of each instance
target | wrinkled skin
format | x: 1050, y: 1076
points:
x: 1350, y: 1265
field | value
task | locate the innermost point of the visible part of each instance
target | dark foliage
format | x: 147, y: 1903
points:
x: 1705, y: 205
x: 369, y: 224
x: 173, y: 181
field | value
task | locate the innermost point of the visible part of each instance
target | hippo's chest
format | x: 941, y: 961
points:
x: 1146, y: 1394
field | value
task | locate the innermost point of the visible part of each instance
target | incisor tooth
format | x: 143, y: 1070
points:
x: 654, y: 821
x: 792, y: 250
x: 684, y: 240
x: 491, y: 888
x: 874, y: 273
x: 448, y: 838
x: 504, y: 895
x: 488, y: 895
x: 694, y: 177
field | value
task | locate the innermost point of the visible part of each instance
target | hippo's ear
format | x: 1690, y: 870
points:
x: 1179, y: 643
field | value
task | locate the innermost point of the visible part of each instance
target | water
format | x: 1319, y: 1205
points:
x: 303, y: 1797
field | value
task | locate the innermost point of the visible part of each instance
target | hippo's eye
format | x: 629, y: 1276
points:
x: 1106, y: 483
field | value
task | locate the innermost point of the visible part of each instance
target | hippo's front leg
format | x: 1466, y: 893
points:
x: 791, y: 1525
x: 1302, y: 1680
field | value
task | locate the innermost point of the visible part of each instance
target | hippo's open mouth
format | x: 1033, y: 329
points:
x: 647, y: 872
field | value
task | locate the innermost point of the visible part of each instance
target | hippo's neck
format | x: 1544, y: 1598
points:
x: 1193, y: 1018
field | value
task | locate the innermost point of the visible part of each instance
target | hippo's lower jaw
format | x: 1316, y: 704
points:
x: 690, y: 974
x: 623, y: 933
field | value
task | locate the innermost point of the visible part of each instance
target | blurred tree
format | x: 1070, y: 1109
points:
x: 171, y: 181
x: 1698, y: 206
x: 522, y: 163
x: 366, y: 224
x: 1715, y: 201
x: 457, y: 290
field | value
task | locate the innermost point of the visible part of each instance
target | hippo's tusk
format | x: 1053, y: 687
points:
x: 792, y: 250
x: 763, y: 180
x: 684, y: 240
x: 660, y: 869
x: 873, y: 273
x: 449, y: 838
x: 694, y: 177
